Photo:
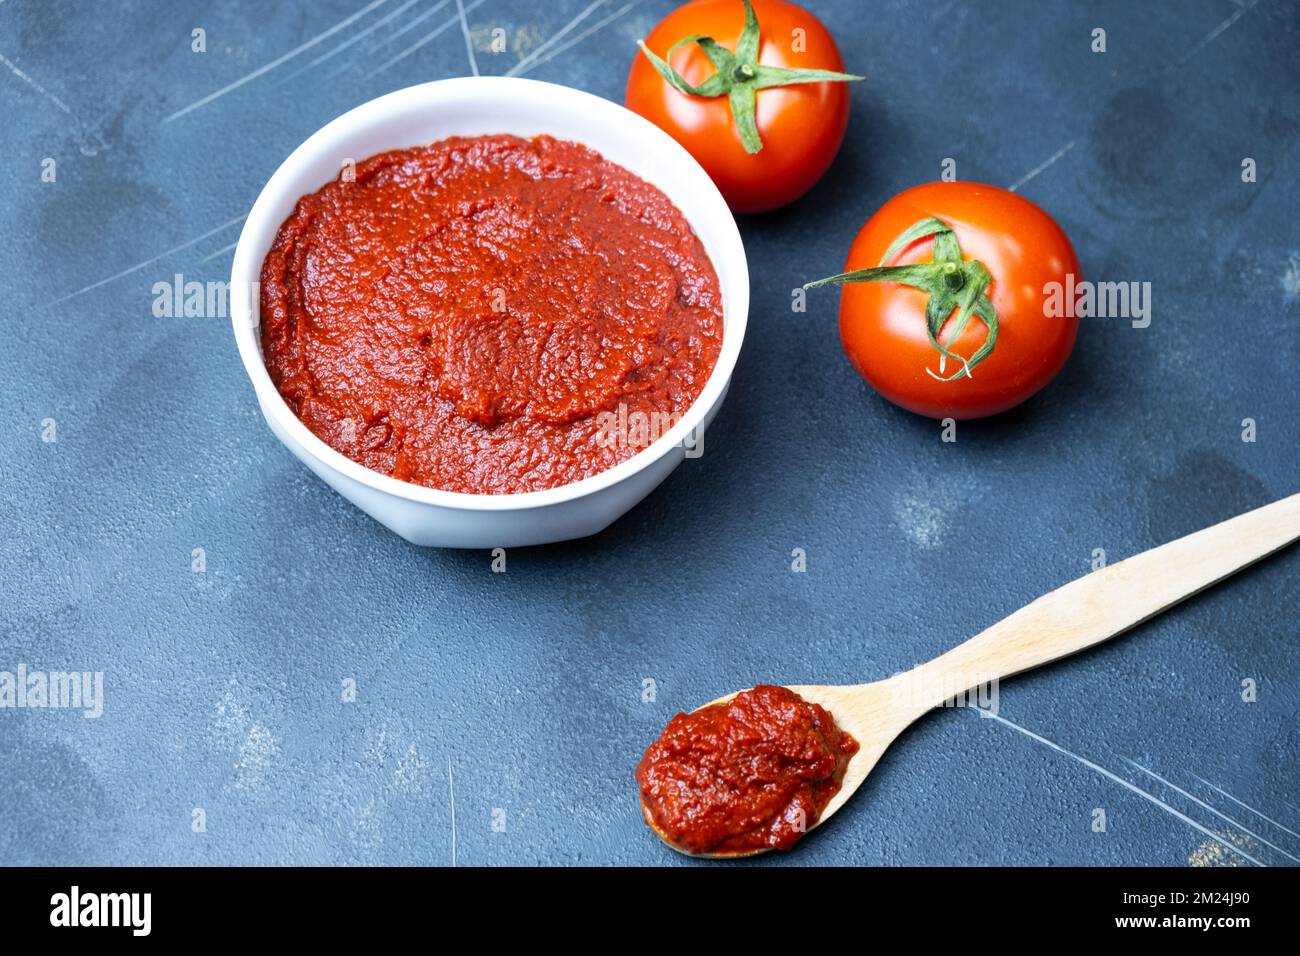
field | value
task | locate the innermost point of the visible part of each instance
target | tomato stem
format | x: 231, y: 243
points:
x: 951, y: 283
x: 739, y: 76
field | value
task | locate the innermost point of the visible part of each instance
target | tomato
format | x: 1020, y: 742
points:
x: 800, y: 126
x: 1010, y: 251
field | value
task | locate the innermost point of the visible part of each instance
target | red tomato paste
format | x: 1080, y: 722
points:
x: 471, y: 315
x: 753, y: 773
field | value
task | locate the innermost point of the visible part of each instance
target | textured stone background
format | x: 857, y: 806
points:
x: 524, y: 689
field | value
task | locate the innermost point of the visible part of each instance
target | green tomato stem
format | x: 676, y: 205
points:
x: 739, y: 76
x: 950, y: 283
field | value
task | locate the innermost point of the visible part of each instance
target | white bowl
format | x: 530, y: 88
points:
x: 470, y: 106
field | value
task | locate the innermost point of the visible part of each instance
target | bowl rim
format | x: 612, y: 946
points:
x: 262, y: 223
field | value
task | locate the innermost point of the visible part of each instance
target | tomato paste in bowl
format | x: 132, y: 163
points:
x: 456, y: 417
x: 489, y: 314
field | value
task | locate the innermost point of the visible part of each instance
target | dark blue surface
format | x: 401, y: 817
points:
x: 523, y: 691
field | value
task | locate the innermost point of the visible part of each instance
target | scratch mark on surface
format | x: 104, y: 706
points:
x: 469, y: 44
x: 16, y: 71
x: 347, y: 43
x: 411, y: 24
x: 222, y: 251
x: 451, y: 787
x: 147, y: 262
x: 87, y: 134
x: 261, y: 70
x: 1216, y: 33
x: 1042, y: 166
x: 446, y: 25
x: 526, y: 62
x: 594, y: 28
x: 1222, y: 816
x: 377, y: 45
x: 1247, y: 807
x: 1123, y: 783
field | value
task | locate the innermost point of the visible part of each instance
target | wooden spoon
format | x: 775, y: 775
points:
x: 1083, y: 613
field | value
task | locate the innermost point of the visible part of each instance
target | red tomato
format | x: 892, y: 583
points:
x: 801, y: 126
x: 883, y: 323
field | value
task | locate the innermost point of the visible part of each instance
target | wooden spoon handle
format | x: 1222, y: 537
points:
x: 1108, y: 602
